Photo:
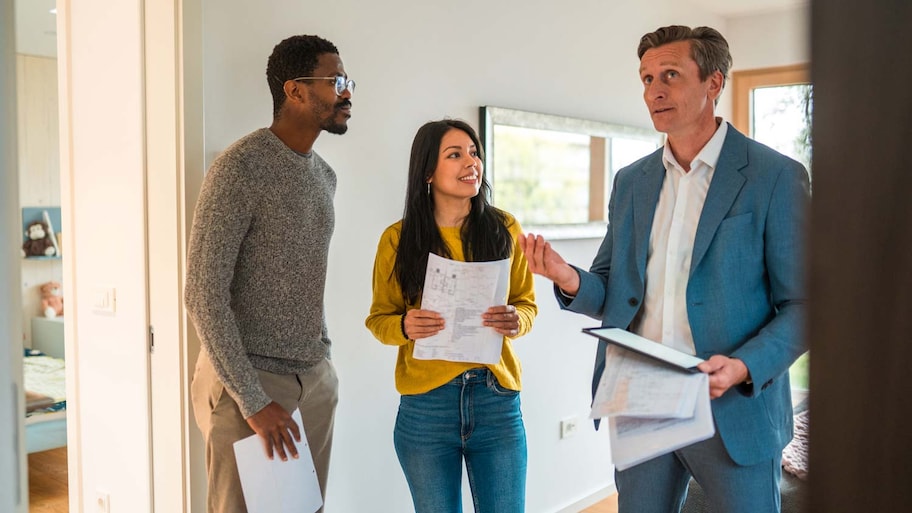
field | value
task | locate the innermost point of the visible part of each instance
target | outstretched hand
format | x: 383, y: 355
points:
x: 276, y: 427
x: 544, y: 261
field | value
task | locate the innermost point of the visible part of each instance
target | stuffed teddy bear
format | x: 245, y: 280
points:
x: 51, y: 299
x: 38, y: 241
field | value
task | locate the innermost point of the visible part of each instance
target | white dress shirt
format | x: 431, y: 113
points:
x: 663, y: 317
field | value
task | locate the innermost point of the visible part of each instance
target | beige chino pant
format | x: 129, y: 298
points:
x: 314, y: 392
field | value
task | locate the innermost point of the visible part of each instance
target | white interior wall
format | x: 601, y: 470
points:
x: 413, y: 62
x: 771, y: 39
x: 193, y: 121
x: 39, y: 168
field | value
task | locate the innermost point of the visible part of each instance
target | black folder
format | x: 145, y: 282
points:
x: 633, y: 342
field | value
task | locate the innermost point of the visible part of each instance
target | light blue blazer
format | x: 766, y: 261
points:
x: 746, y: 292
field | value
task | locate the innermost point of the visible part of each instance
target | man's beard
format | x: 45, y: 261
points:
x: 335, y: 128
x: 330, y: 124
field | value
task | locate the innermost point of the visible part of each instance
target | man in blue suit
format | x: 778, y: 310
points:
x: 704, y: 253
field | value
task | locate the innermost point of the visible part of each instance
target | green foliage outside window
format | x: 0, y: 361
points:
x: 542, y: 176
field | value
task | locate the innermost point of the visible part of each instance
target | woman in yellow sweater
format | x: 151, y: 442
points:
x: 453, y: 410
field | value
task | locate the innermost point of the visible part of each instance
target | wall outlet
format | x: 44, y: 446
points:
x: 102, y: 501
x: 568, y: 427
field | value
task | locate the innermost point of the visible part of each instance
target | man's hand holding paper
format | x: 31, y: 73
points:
x: 653, y: 408
x: 273, y: 486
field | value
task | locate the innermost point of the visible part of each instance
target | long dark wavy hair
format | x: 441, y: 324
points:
x: 484, y: 233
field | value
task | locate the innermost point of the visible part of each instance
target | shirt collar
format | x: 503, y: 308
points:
x: 709, y: 155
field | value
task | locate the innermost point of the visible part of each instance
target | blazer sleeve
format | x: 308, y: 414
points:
x: 781, y: 341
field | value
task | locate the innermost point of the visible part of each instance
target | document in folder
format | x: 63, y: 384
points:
x: 646, y: 347
x: 635, y: 439
x: 652, y: 408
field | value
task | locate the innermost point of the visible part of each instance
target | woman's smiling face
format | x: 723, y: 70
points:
x: 459, y: 168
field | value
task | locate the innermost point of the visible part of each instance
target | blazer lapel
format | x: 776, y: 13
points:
x: 645, y: 200
x: 726, y: 184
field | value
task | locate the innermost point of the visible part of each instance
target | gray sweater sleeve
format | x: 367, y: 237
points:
x: 222, y: 218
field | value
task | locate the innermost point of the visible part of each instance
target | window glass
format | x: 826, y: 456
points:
x: 542, y: 176
x: 780, y: 117
x: 554, y: 173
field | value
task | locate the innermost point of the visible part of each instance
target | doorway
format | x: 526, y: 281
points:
x: 41, y: 277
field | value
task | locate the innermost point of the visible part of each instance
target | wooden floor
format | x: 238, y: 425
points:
x: 48, y: 485
x: 609, y: 505
x: 48, y: 481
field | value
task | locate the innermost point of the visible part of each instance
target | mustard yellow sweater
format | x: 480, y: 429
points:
x: 419, y: 376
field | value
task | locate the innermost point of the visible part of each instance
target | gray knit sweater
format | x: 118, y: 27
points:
x: 257, y: 263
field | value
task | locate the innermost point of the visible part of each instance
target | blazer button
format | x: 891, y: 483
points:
x: 633, y: 301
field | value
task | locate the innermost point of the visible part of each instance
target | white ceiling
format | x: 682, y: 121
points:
x: 36, y: 26
x: 737, y: 8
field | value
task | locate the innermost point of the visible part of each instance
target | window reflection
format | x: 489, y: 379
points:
x: 542, y: 175
x: 554, y: 173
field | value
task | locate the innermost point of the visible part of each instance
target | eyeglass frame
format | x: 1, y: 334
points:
x: 342, y: 83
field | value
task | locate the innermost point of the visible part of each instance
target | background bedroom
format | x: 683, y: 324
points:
x: 42, y: 262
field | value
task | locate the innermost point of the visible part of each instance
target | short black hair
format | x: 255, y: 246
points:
x: 294, y: 57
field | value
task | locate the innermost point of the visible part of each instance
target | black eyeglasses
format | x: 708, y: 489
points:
x: 341, y: 82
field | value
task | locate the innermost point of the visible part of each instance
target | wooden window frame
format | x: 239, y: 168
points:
x: 743, y: 85
x: 744, y: 82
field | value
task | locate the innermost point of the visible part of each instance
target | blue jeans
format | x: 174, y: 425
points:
x: 474, y: 418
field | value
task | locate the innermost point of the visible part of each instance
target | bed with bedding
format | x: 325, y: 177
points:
x: 45, y: 398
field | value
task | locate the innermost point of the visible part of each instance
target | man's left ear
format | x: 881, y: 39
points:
x: 294, y: 91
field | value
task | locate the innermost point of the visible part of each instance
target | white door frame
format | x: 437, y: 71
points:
x: 172, y: 142
x: 173, y: 77
x: 13, y: 468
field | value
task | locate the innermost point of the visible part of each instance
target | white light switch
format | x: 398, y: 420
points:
x: 104, y: 300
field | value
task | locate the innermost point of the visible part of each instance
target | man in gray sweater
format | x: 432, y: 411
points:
x: 257, y: 270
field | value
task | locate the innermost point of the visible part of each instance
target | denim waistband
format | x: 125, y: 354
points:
x: 476, y: 375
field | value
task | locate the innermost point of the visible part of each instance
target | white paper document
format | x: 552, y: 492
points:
x: 461, y: 292
x: 276, y: 486
x: 652, y: 409
x: 634, y: 386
